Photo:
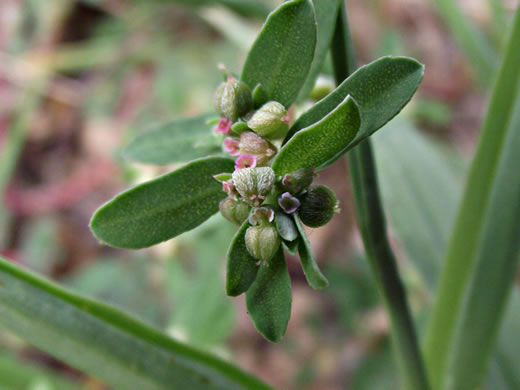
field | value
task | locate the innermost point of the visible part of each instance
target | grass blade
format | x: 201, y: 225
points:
x: 105, y: 342
x: 463, y: 248
x: 495, y: 265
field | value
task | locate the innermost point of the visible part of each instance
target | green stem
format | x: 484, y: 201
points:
x: 373, y: 230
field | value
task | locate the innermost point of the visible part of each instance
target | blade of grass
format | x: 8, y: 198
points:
x: 422, y: 189
x: 494, y: 271
x: 463, y: 247
x: 106, y: 342
x: 373, y: 230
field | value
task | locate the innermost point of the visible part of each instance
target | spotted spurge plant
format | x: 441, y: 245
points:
x: 262, y: 160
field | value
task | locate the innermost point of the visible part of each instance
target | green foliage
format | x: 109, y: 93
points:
x: 114, y: 346
x: 162, y: 208
x: 472, y: 238
x: 482, y: 309
x: 381, y: 89
x: 282, y: 54
x: 241, y: 266
x: 310, y: 268
x: 322, y: 142
x: 421, y: 189
x: 269, y: 299
x: 177, y: 141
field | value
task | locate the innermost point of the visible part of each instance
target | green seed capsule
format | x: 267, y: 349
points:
x: 262, y: 242
x: 297, y: 181
x: 233, y: 99
x: 254, y: 145
x: 234, y: 210
x: 254, y: 184
x: 318, y: 206
x: 269, y: 121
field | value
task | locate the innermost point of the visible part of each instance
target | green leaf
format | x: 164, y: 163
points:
x: 420, y: 185
x: 470, y: 239
x: 326, y: 12
x: 162, y: 208
x: 482, y: 309
x: 310, y: 268
x: 285, y: 226
x: 241, y: 266
x: 269, y: 299
x: 291, y: 246
x: 174, y: 142
x: 381, y: 89
x: 282, y: 54
x: 105, y: 342
x: 322, y: 142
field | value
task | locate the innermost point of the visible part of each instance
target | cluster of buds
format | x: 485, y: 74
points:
x: 254, y: 193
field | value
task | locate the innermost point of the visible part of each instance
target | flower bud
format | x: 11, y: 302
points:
x: 262, y: 242
x: 234, y: 210
x: 270, y: 121
x: 233, y: 99
x: 254, y: 145
x: 298, y: 180
x: 254, y: 184
x: 318, y: 206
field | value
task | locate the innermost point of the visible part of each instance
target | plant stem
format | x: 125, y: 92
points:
x: 373, y: 230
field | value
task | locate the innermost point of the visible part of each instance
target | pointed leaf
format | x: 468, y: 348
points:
x: 174, y: 142
x: 269, y: 299
x: 381, y: 89
x: 310, y: 268
x: 162, y: 208
x: 326, y: 12
x: 322, y: 142
x: 282, y: 54
x: 105, y: 342
x: 291, y: 246
x: 241, y: 266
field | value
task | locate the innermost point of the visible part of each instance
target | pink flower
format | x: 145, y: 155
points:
x: 231, y: 146
x: 245, y: 161
x: 224, y: 126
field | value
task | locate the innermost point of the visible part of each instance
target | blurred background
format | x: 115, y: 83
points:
x: 78, y: 79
